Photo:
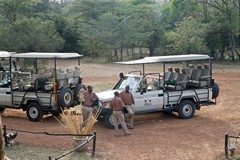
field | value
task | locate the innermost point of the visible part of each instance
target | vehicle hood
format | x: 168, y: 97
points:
x: 106, y: 96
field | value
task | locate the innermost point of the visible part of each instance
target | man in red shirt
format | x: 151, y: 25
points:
x: 128, y: 100
x: 89, y: 96
x: 117, y: 106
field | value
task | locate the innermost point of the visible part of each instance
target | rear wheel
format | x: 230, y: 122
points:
x: 34, y: 112
x: 186, y: 109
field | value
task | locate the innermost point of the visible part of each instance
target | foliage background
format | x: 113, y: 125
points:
x: 122, y: 29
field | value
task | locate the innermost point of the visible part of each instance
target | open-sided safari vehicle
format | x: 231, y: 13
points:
x: 39, y: 89
x: 181, y: 89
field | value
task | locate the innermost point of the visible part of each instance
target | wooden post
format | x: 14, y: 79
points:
x: 2, y: 155
x: 226, y: 145
x: 94, y: 144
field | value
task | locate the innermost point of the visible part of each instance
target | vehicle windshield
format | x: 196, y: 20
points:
x: 131, y: 81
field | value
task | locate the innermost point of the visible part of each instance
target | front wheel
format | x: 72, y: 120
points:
x: 186, y: 109
x: 34, y: 112
x: 109, y: 120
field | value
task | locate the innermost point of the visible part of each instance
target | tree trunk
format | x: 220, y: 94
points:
x: 121, y: 53
x: 116, y: 54
x: 231, y: 45
x: 140, y: 50
x: 222, y: 53
x: 132, y: 51
x: 151, y: 51
x: 128, y: 54
x: 205, y: 8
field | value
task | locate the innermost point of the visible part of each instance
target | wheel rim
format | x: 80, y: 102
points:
x: 33, y: 112
x: 111, y: 120
x: 187, y: 110
x: 67, y: 98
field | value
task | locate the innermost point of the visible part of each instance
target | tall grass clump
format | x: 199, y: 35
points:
x: 72, y: 119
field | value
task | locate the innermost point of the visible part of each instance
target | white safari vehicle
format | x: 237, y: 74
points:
x: 40, y: 90
x: 181, y: 89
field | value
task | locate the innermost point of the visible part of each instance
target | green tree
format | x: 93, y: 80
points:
x: 11, y: 9
x: 188, y: 37
x: 27, y: 35
x: 227, y: 18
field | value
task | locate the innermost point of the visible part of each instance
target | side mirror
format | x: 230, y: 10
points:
x: 121, y: 75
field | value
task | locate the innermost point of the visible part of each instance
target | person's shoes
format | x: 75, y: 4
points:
x: 117, y: 134
x: 127, y: 133
x: 130, y: 127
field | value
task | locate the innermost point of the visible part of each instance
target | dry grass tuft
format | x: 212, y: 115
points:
x: 72, y: 119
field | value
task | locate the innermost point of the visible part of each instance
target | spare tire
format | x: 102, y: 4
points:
x: 65, y: 97
x: 215, y: 90
x: 77, y: 88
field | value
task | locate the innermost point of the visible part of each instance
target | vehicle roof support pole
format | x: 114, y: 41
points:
x: 143, y: 70
x: 10, y: 72
x: 36, y: 66
x: 79, y: 61
x: 163, y: 76
x: 55, y: 82
x: 10, y: 69
x: 210, y: 65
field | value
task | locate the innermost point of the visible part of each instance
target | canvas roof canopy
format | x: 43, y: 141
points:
x: 5, y: 54
x: 46, y: 55
x: 167, y: 59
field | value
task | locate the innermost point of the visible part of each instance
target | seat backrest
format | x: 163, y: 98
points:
x: 182, y: 80
x: 77, y: 71
x: 69, y: 73
x: 168, y: 74
x: 175, y: 74
x: 183, y: 76
x: 197, y: 73
x: 205, y: 72
x: 60, y: 74
x: 190, y: 70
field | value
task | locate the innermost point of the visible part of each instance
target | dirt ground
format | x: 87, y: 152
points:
x: 155, y: 136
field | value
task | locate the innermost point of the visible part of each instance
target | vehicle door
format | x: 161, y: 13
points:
x: 5, y: 90
x: 5, y: 96
x: 148, y: 98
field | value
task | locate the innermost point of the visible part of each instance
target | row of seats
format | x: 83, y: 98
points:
x: 44, y: 79
x: 190, y: 76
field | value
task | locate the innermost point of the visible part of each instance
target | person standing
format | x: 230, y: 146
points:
x: 89, y: 97
x: 117, y: 105
x: 128, y: 100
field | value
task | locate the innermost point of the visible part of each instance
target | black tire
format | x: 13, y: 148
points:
x: 65, y: 97
x: 167, y: 112
x: 56, y: 112
x: 2, y: 109
x: 108, y: 120
x: 34, y: 112
x: 215, y: 90
x: 76, y: 90
x: 186, y: 109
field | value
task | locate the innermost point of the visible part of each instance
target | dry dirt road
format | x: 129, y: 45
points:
x: 155, y: 136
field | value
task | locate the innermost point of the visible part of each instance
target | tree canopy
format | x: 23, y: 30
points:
x: 118, y: 29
